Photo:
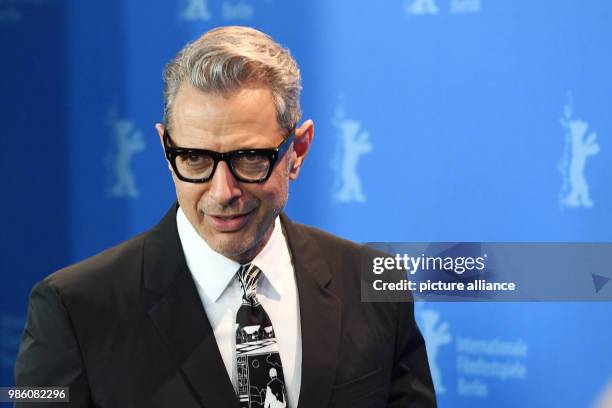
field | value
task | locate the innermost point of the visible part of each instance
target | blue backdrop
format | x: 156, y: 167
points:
x: 435, y: 120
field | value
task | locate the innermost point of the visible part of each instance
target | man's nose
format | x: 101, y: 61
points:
x: 224, y: 187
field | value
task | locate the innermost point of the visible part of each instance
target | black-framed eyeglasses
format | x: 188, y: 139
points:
x: 247, y: 166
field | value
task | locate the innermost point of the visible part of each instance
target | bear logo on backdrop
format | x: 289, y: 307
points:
x: 420, y: 7
x: 126, y: 140
x: 465, y: 6
x: 198, y: 10
x: 436, y: 334
x: 430, y: 7
x: 474, y: 365
x: 351, y: 143
x: 580, y: 145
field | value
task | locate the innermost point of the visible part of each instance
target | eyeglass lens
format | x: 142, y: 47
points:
x: 200, y: 165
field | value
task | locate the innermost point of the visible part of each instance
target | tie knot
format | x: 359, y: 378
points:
x: 248, y: 275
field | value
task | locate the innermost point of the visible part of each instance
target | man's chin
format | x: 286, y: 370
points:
x: 232, y: 246
x: 241, y: 245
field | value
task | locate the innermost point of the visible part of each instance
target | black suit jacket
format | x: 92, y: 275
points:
x: 126, y: 328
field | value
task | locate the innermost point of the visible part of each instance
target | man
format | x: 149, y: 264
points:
x: 226, y: 293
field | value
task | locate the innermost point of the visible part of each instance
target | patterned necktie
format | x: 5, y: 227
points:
x: 260, y: 373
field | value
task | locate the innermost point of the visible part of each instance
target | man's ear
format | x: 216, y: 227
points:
x: 301, y: 146
x: 160, y: 131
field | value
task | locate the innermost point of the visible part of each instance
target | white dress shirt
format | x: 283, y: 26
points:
x: 221, y: 295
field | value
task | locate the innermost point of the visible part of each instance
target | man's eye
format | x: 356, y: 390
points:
x: 251, y: 158
x: 196, y: 160
x: 193, y: 158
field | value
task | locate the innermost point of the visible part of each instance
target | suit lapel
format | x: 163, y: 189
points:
x: 320, y: 314
x: 176, y: 310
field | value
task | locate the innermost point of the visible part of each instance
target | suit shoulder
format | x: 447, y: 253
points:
x: 114, y: 266
x: 336, y: 250
x: 334, y: 243
x: 330, y: 242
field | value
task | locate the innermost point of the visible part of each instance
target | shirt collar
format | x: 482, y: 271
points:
x: 213, y: 272
x: 270, y: 258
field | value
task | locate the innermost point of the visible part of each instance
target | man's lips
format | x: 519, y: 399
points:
x: 229, y: 223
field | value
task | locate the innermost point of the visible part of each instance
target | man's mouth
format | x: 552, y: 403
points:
x: 229, y: 223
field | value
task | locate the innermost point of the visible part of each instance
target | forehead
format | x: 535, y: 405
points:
x: 243, y: 118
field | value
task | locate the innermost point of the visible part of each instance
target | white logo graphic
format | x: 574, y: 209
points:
x: 126, y: 142
x: 436, y: 335
x: 578, y: 147
x: 238, y: 11
x: 352, y: 143
x: 196, y: 10
x: 420, y: 7
x: 465, y: 6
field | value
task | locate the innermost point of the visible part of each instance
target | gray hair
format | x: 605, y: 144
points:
x: 226, y: 59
